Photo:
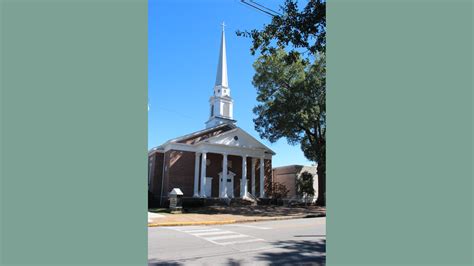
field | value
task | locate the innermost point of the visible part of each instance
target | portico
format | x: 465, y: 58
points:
x: 229, y: 182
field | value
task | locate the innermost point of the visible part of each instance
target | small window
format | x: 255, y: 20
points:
x: 236, y: 138
x: 229, y: 180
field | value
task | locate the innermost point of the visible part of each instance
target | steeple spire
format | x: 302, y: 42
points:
x: 221, y: 78
x: 222, y: 105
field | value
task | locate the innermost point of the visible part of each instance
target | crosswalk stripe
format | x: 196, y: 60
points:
x: 187, y: 228
x: 214, y: 233
x: 240, y: 242
x: 201, y: 230
x: 226, y: 237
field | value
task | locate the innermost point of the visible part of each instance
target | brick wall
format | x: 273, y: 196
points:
x: 213, y: 170
x: 287, y: 177
x: 181, y: 172
x: 268, y: 172
x: 157, y: 173
x: 237, y: 170
x: 166, y: 177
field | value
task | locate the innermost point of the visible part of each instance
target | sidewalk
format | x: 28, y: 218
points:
x: 226, y: 215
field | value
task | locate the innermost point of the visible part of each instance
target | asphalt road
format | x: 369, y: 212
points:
x: 286, y: 242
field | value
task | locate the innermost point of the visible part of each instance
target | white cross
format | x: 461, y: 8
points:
x: 223, y: 25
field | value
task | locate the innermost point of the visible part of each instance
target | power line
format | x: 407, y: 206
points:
x: 260, y: 8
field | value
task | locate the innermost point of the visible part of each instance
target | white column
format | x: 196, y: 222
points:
x: 224, y: 175
x: 196, y: 175
x: 243, y: 184
x: 203, y: 174
x: 252, y: 181
x: 253, y: 176
x: 262, y: 177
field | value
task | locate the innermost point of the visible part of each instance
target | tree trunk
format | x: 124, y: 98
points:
x: 321, y: 201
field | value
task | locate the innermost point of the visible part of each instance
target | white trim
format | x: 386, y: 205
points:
x: 253, y: 175
x: 203, y: 174
x: 223, y: 177
x: 234, y: 131
x: 196, y: 174
x: 243, y: 183
x: 233, y: 150
x: 219, y: 148
x: 153, y: 151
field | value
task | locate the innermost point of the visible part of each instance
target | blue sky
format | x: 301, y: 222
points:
x: 183, y: 49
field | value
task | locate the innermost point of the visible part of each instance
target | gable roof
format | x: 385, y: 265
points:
x: 200, y: 134
x: 237, y: 137
x: 221, y: 135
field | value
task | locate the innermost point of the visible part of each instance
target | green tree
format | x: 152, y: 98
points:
x: 291, y: 80
x: 294, y: 28
x: 291, y: 104
x: 304, y: 184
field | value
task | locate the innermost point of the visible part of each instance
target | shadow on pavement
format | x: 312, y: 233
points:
x: 296, y: 253
x: 293, y: 252
x: 164, y: 263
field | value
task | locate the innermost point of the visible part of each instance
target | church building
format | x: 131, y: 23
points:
x: 220, y: 161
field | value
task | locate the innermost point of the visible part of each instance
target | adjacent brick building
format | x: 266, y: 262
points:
x: 289, y: 175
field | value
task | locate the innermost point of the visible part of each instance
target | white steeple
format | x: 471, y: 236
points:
x: 221, y: 78
x: 221, y: 110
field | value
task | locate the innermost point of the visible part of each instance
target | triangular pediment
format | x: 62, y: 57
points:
x: 237, y: 137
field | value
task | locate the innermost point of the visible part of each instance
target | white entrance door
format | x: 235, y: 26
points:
x: 226, y: 185
x: 208, y: 186
x: 230, y: 186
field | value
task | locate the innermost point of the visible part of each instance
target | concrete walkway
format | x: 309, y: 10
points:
x: 152, y: 216
x: 228, y: 215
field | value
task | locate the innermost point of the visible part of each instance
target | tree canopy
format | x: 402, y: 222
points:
x: 305, y: 184
x: 302, y: 30
x: 290, y: 77
x: 291, y: 101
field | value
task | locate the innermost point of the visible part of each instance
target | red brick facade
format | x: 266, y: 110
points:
x: 156, y: 172
x: 179, y: 167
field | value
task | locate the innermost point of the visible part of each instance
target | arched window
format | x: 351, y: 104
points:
x: 212, y: 110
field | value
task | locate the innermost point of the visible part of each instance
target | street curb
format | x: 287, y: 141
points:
x: 191, y: 223
x: 235, y: 221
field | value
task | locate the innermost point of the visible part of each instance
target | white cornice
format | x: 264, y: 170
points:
x: 218, y: 148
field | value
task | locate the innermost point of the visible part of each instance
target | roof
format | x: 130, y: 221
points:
x: 221, y: 135
x: 196, y: 134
